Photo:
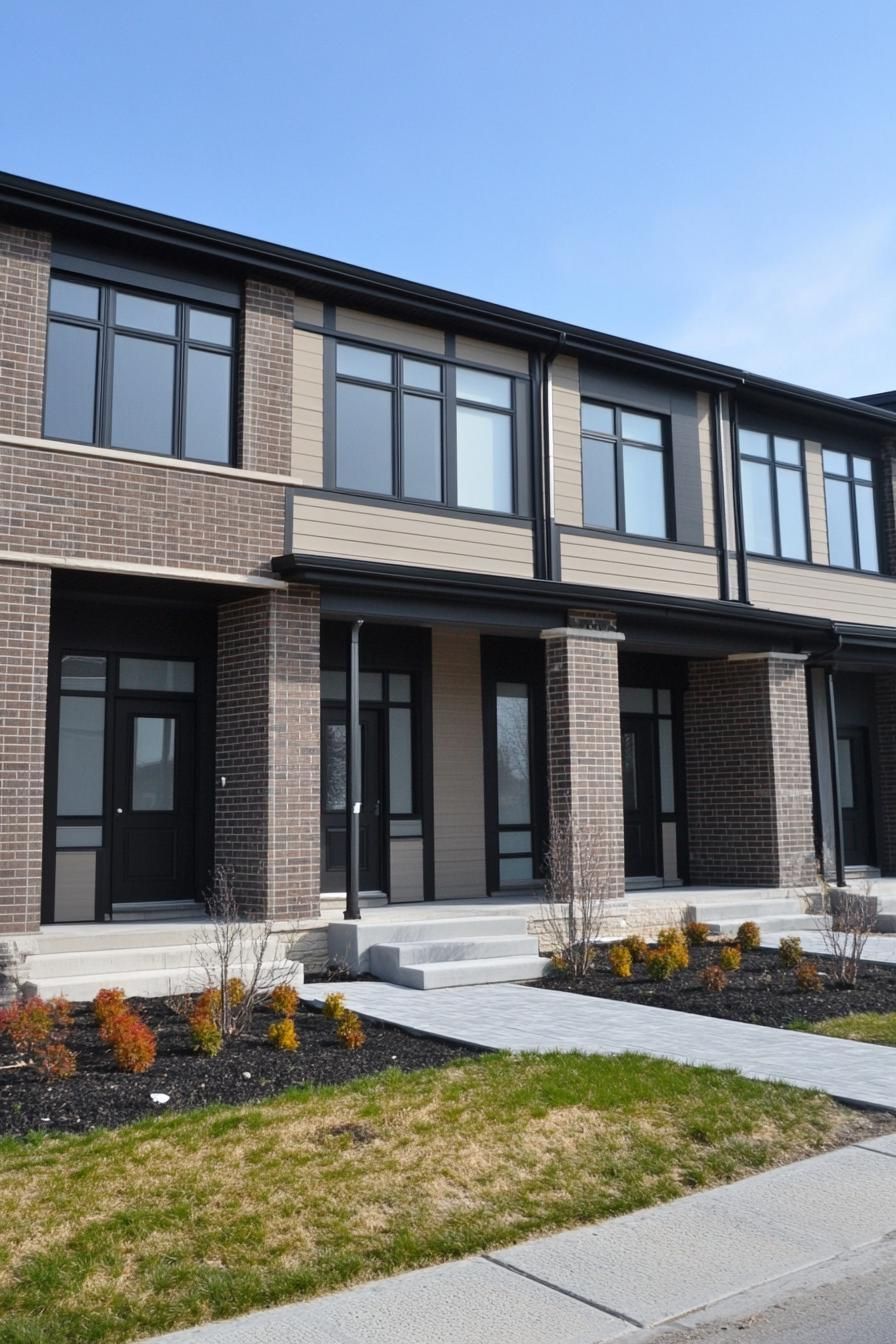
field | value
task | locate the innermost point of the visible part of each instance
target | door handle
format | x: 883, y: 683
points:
x: 376, y: 810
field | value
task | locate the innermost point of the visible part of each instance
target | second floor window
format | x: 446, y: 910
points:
x: 625, y: 480
x: 849, y: 501
x: 143, y: 372
x: 773, y: 493
x: 426, y: 431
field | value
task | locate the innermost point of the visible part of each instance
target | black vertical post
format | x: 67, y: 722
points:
x: 353, y: 774
x: 839, y: 857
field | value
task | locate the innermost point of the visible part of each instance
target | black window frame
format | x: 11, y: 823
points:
x: 619, y: 440
x: 851, y: 481
x: 520, y: 435
x: 107, y: 327
x: 773, y: 465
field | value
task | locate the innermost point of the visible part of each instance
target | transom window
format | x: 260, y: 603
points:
x: 625, y: 480
x: 140, y: 372
x: 849, y: 501
x: 421, y: 430
x: 773, y: 493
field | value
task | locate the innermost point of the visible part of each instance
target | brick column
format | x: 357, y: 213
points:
x: 265, y: 400
x: 584, y: 752
x: 24, y: 641
x: 749, y: 778
x: 24, y: 288
x: 885, y: 704
x: 267, y: 813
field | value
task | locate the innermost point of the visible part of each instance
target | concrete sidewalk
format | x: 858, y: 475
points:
x: 612, y: 1280
x: 518, y: 1017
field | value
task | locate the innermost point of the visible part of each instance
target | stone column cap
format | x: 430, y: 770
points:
x: 580, y: 632
x: 768, y: 657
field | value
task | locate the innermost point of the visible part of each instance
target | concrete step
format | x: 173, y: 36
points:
x: 478, y: 971
x: 387, y: 958
x: 767, y: 923
x: 350, y: 940
x: 84, y: 938
x: 137, y: 984
x: 710, y: 911
x: 122, y: 961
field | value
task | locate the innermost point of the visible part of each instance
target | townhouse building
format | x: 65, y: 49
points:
x: 650, y: 593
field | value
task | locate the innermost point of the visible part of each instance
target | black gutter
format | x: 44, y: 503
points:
x: 740, y: 545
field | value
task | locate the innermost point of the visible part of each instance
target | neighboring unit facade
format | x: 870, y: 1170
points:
x: 650, y: 594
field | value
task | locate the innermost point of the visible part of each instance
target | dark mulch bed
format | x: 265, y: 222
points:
x: 759, y: 992
x: 248, y: 1069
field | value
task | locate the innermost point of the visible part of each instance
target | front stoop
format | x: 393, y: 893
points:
x: 773, y: 910
x: 439, y: 953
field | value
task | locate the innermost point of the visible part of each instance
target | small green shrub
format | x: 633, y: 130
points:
x: 282, y: 1034
x: 748, y: 936
x: 713, y: 979
x: 807, y: 978
x: 790, y: 952
x: 661, y: 963
x: 620, y: 959
x: 696, y: 934
x: 636, y: 946
x: 730, y: 958
x: 204, y: 1029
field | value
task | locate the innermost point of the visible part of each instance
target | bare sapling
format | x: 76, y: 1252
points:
x: 576, y: 893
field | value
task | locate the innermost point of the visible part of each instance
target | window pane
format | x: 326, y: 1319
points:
x: 598, y: 419
x: 213, y: 328
x: 644, y: 428
x: 791, y: 513
x: 146, y: 314
x: 868, y: 556
x: 515, y: 842
x: 757, y: 498
x: 484, y: 460
x: 364, y: 439
x: 664, y: 702
x: 844, y: 772
x: 421, y: 447
x: 142, y: 395
x: 838, y: 463
x: 207, y: 414
x: 417, y: 374
x: 599, y: 483
x: 514, y: 870
x: 83, y: 674
x: 79, y: 791
x: 840, y: 548
x: 370, y: 685
x: 66, y: 296
x: 629, y: 771
x: 788, y: 450
x: 332, y: 685
x: 667, y: 766
x: 636, y: 699
x: 751, y: 442
x: 155, y: 674
x: 335, y: 764
x: 79, y: 837
x: 71, y: 382
x: 513, y: 754
x: 644, y: 487
x: 152, y: 779
x: 473, y: 385
x: 74, y: 891
x: 401, y: 790
x: 356, y: 362
x: 400, y: 688
x: 406, y: 829
x: 861, y: 468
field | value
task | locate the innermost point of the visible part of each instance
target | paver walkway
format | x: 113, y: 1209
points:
x: 880, y: 947
x: 518, y: 1017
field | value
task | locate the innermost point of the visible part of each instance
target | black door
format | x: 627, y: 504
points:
x: 153, y: 802
x: 639, y: 796
x: 859, y: 849
x: 333, y: 782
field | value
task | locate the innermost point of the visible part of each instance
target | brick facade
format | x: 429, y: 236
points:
x: 24, y: 288
x: 748, y: 771
x: 885, y: 705
x: 584, y: 753
x: 267, y: 813
x: 265, y: 400
x: 24, y: 639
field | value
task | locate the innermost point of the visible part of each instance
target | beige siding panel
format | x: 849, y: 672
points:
x: 324, y: 526
x: 308, y: 407
x: 707, y: 467
x: 818, y: 521
x: 566, y: 422
x: 405, y: 870
x: 308, y: 310
x: 389, y: 330
x: 458, y: 787
x: 649, y: 569
x: 834, y: 594
x: 501, y: 356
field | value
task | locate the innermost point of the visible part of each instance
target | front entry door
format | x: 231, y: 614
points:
x: 153, y: 802
x: 639, y: 796
x: 333, y: 788
x: 859, y: 849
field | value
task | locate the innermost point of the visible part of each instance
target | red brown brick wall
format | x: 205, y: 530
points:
x: 24, y: 284
x: 267, y: 814
x: 749, y: 782
x: 265, y: 401
x: 24, y: 640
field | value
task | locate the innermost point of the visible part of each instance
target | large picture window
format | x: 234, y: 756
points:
x: 625, y: 479
x: 774, y: 494
x: 851, y: 512
x: 135, y: 371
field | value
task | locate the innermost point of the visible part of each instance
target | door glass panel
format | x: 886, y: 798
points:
x: 667, y: 766
x: 152, y: 780
x: 664, y: 702
x: 143, y: 395
x: 844, y: 769
x: 515, y: 870
x: 74, y: 893
x: 79, y: 837
x: 155, y: 674
x: 370, y: 685
x: 79, y: 791
x: 83, y: 674
x: 335, y: 762
x: 401, y: 792
x: 515, y: 842
x: 514, y: 802
x: 400, y: 688
x: 629, y: 771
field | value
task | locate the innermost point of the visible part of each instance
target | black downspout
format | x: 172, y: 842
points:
x: 547, y: 360
x: 739, y: 536
x: 353, y: 776
x: 541, y: 544
x: 835, y: 779
x: 715, y: 429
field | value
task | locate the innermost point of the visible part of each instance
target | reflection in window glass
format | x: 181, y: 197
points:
x: 212, y: 328
x: 757, y: 500
x: 844, y: 772
x: 667, y: 766
x: 788, y: 450
x: 484, y: 460
x: 629, y: 771
x: 334, y: 767
x: 132, y: 310
x: 752, y: 443
x: 356, y: 362
x: 400, y: 688
x: 79, y: 791
x: 791, y: 513
x: 363, y: 438
x: 643, y: 428
x: 69, y: 401
x: 401, y: 790
x: 514, y: 801
x: 840, y: 548
x: 599, y: 483
x: 83, y: 673
x: 597, y: 419
x: 490, y: 388
x: 332, y: 685
x: 645, y: 491
x: 207, y: 422
x: 156, y: 674
x: 143, y: 395
x: 416, y: 373
x: 636, y: 699
x: 422, y: 447
x: 515, y: 842
x: 514, y: 870
x: 79, y: 837
x: 867, y: 528
x: 152, y: 778
x: 73, y: 299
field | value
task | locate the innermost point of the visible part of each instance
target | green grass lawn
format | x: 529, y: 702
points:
x: 117, y: 1234
x: 876, y: 1028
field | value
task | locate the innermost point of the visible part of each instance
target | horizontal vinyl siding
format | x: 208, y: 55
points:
x: 394, y: 536
x: 566, y: 422
x: 458, y: 781
x: 707, y: 468
x: 607, y: 563
x: 389, y: 330
x: 308, y: 407
x: 831, y: 593
x: 501, y: 356
x: 405, y: 870
x: 818, y: 520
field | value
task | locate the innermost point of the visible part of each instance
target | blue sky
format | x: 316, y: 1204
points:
x: 709, y: 176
